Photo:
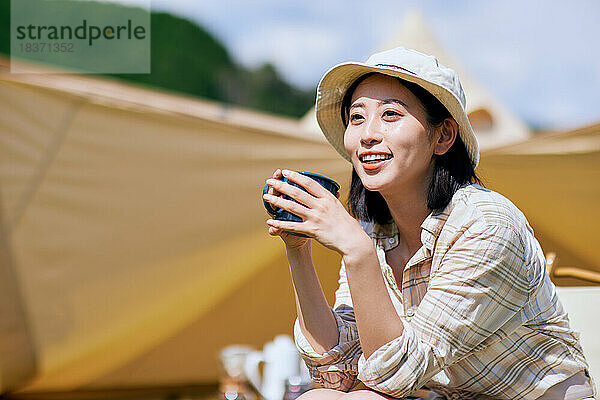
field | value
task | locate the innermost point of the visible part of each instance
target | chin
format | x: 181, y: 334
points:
x: 373, y: 183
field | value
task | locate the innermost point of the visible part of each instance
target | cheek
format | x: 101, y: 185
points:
x: 410, y: 136
x: 348, y: 143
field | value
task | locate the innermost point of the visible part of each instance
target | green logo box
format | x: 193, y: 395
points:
x: 80, y: 37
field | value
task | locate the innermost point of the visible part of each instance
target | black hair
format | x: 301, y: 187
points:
x: 451, y: 170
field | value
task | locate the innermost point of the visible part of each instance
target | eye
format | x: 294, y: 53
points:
x: 391, y: 113
x: 355, y: 117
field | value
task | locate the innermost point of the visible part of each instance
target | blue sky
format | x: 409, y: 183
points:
x: 541, y: 58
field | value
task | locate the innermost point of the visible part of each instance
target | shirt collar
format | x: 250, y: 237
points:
x: 387, y: 234
x: 433, y: 224
x: 384, y: 235
x: 431, y: 228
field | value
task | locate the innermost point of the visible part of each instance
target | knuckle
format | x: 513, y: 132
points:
x: 296, y: 191
x: 274, y: 200
x: 308, y: 183
x: 320, y: 206
x: 283, y: 186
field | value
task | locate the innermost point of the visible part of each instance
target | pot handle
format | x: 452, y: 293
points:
x: 251, y: 370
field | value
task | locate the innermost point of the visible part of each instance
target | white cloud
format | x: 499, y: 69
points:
x: 298, y: 51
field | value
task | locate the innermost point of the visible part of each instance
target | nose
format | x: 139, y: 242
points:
x: 371, y: 134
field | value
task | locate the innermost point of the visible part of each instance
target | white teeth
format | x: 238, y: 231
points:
x: 375, y: 157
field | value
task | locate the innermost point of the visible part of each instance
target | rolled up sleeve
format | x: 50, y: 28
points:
x: 338, y: 367
x: 474, y: 299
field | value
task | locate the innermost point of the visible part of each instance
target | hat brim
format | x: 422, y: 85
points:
x: 336, y: 82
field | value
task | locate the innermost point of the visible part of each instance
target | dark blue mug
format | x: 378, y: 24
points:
x: 283, y: 215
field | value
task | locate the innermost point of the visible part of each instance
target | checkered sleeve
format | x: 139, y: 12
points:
x: 338, y: 367
x: 474, y: 299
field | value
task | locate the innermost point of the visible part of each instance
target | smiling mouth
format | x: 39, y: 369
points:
x: 374, y: 158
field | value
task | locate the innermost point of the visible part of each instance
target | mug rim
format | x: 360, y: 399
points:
x: 315, y: 175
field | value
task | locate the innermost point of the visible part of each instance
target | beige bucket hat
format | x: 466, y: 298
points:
x: 407, y: 64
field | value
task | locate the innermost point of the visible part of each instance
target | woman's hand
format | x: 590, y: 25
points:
x: 323, y: 216
x: 291, y: 241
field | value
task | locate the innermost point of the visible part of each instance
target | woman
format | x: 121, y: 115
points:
x: 442, y: 284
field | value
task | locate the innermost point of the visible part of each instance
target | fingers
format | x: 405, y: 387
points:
x: 281, y: 187
x: 274, y: 231
x: 313, y: 187
x: 288, y: 205
x: 288, y: 226
x: 276, y: 175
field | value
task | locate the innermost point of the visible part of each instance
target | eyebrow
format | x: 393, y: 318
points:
x: 382, y: 102
x: 389, y: 101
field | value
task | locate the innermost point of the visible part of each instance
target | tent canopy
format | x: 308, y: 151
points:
x: 133, y: 237
x: 555, y: 180
x: 127, y: 216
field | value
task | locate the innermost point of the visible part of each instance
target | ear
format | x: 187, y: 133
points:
x: 446, y: 136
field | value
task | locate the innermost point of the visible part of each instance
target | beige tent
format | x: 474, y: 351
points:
x: 133, y: 239
x: 134, y: 243
x: 555, y: 179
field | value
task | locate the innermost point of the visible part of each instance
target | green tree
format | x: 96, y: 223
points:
x: 186, y: 58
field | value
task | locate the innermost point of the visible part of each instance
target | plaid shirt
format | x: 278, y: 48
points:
x: 481, y: 316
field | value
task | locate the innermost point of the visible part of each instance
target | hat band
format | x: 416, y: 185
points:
x: 396, y: 67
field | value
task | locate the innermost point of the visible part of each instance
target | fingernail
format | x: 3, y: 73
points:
x: 285, y: 172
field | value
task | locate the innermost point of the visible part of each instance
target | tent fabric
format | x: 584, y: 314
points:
x: 126, y: 221
x: 555, y: 180
x: 133, y: 236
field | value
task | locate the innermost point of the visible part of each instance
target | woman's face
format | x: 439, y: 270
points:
x: 387, y: 136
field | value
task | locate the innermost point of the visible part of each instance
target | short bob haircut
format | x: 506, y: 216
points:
x: 452, y: 170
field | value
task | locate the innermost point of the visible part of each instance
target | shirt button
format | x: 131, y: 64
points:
x: 455, y: 396
x: 392, y: 240
x: 410, y: 313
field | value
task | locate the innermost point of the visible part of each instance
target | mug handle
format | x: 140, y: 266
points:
x: 270, y: 209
